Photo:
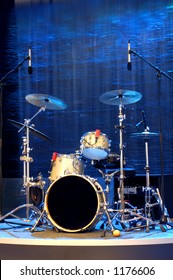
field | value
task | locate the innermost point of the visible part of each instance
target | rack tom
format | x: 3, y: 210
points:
x: 95, y: 147
x: 66, y: 164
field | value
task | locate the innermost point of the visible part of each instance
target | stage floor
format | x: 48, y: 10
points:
x: 17, y: 241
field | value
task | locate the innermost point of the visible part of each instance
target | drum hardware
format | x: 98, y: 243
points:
x: 159, y: 73
x: 107, y: 210
x: 118, y: 97
x: 107, y: 178
x: 27, y: 180
x: 121, y: 97
x: 146, y: 135
x: 52, y: 103
x: 110, y: 163
x: 42, y: 101
x: 37, y: 190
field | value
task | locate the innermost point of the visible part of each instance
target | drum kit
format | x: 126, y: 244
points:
x: 73, y: 201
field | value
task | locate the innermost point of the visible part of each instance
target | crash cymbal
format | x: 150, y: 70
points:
x: 32, y: 130
x: 47, y: 101
x: 116, y: 96
x: 144, y: 134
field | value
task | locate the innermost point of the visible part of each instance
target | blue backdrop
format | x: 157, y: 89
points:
x: 79, y: 52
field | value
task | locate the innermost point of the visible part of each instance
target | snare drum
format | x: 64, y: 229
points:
x: 75, y: 203
x: 95, y: 148
x: 66, y: 164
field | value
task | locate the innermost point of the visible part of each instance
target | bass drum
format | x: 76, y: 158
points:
x: 74, y: 203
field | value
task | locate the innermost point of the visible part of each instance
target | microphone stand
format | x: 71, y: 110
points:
x: 12, y: 71
x: 164, y: 218
x: 2, y: 82
x: 159, y: 71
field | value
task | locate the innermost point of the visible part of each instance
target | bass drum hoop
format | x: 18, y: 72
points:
x: 74, y: 203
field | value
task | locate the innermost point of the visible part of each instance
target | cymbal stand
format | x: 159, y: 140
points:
x: 121, y: 118
x: 121, y: 211
x: 147, y: 187
x: 27, y: 180
x: 108, y: 177
x: 124, y: 213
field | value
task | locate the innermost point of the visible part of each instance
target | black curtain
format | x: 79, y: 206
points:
x: 8, y: 83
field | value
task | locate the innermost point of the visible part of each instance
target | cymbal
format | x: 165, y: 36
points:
x: 47, y: 101
x: 144, y: 134
x: 32, y: 130
x: 114, y: 97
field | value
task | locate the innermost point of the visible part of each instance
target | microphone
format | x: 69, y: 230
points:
x: 29, y: 61
x: 129, y: 64
x: 144, y: 119
x: 138, y: 124
x: 97, y: 134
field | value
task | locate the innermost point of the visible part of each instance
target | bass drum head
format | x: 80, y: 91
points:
x: 72, y: 203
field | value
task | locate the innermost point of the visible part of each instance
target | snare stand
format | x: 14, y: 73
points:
x: 107, y: 178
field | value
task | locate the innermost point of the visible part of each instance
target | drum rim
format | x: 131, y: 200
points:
x: 72, y: 155
x: 100, y: 158
x: 93, y: 132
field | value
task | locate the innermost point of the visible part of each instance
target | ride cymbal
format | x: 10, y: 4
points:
x: 47, y: 101
x: 115, y: 97
x: 32, y: 130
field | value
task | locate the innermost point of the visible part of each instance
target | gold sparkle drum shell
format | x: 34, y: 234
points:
x: 66, y: 164
x: 95, y: 148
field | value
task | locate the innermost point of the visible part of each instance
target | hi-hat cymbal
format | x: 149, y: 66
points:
x: 47, y: 101
x: 32, y: 130
x: 144, y: 134
x: 115, y: 97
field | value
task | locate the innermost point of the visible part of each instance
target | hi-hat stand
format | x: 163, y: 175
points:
x: 146, y: 135
x: 27, y: 180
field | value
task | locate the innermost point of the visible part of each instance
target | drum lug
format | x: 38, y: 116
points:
x: 93, y: 180
x: 102, y: 205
